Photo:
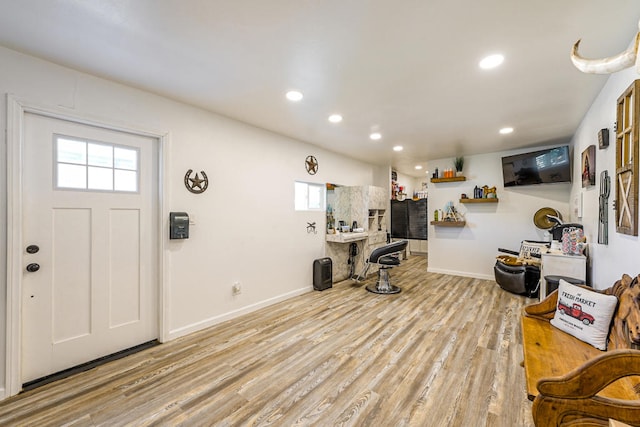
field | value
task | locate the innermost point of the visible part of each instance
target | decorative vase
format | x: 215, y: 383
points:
x: 458, y: 173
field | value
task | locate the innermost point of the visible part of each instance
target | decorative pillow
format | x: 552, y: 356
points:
x: 584, y: 314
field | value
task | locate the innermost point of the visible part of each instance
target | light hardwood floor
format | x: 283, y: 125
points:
x: 444, y: 352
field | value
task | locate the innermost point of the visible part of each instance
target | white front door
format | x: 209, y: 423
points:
x: 90, y: 216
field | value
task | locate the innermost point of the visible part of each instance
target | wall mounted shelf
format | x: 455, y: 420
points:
x: 487, y: 200
x: 452, y: 179
x: 448, y: 223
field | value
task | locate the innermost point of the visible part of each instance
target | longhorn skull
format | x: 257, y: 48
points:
x: 610, y: 64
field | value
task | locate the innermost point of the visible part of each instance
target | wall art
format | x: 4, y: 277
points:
x: 311, y: 164
x: 196, y: 184
x: 589, y: 166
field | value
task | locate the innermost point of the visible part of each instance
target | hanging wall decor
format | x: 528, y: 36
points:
x: 603, y: 138
x: 627, y: 153
x: 603, y: 208
x: 589, y: 166
x: 311, y: 164
x: 608, y: 65
x: 196, y: 184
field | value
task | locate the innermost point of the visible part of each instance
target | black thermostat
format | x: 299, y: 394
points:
x: 603, y: 138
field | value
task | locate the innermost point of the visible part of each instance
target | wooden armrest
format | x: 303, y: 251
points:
x: 583, y: 386
x: 589, y: 379
x: 544, y: 309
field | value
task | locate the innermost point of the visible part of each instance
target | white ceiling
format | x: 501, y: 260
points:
x: 407, y: 68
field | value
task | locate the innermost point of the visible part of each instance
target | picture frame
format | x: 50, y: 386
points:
x: 589, y: 166
x: 603, y: 138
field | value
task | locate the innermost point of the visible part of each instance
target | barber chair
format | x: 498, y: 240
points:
x: 386, y: 257
x: 520, y: 274
x: 517, y: 278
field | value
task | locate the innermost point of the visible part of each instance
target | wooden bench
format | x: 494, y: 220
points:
x: 572, y: 383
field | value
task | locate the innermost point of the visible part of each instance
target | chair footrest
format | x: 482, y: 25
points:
x: 391, y: 289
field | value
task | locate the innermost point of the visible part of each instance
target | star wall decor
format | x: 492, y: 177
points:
x: 311, y: 164
x: 196, y: 184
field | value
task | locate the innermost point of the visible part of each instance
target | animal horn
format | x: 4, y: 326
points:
x: 607, y: 65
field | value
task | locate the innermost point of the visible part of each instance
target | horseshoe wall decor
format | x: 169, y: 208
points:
x: 311, y: 164
x: 196, y: 184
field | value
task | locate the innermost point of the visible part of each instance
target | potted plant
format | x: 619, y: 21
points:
x: 459, y: 164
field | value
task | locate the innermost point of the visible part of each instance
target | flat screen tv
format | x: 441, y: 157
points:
x: 538, y: 167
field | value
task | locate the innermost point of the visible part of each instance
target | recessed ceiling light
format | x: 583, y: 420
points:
x: 375, y: 136
x: 505, y: 131
x: 335, y: 118
x: 294, y: 95
x: 491, y: 61
x: 418, y: 167
x: 398, y: 148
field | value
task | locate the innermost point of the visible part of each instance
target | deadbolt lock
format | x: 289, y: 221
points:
x: 33, y: 267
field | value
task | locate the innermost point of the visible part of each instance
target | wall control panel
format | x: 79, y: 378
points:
x: 178, y: 225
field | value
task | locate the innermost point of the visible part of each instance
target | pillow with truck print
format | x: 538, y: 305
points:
x: 584, y: 314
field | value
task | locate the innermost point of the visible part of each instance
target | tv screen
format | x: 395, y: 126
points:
x: 538, y: 167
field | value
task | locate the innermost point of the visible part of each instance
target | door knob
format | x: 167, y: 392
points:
x: 32, y: 249
x: 33, y: 267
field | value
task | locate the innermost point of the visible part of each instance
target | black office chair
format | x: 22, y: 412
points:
x: 386, y: 257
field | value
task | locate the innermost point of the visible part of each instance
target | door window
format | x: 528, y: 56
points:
x: 96, y: 166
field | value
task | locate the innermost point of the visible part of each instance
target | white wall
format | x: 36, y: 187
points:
x: 412, y: 184
x: 246, y: 228
x: 471, y: 250
x: 408, y: 182
x: 621, y: 255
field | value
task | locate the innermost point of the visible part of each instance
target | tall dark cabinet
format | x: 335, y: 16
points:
x: 409, y: 219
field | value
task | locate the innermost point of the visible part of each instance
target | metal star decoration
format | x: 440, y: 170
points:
x: 196, y: 185
x: 311, y: 164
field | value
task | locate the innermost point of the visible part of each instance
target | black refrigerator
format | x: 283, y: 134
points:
x: 409, y: 219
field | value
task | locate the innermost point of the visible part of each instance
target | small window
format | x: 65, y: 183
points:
x: 99, y: 166
x: 309, y: 197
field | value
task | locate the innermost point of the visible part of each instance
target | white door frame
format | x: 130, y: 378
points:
x: 16, y: 110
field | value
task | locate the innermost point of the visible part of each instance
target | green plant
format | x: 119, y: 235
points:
x: 459, y: 163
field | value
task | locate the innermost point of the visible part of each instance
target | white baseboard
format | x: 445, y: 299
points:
x: 461, y: 273
x: 194, y: 327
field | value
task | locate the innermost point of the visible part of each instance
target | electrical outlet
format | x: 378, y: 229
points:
x: 237, y: 288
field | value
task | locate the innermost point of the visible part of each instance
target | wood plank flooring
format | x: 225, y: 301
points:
x: 446, y: 351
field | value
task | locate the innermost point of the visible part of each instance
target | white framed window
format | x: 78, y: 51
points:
x: 309, y: 196
x: 95, y: 166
